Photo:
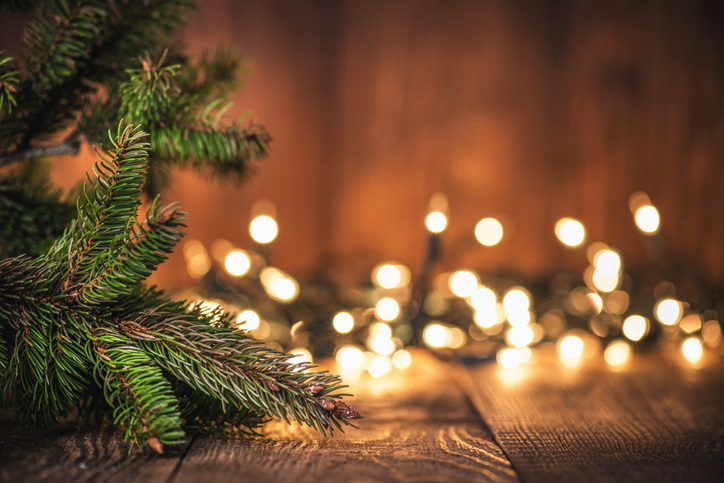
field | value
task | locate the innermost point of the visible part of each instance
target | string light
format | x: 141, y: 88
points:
x: 263, y: 229
x: 489, y: 232
x: 617, y: 353
x: 237, y: 263
x: 570, y: 232
x: 390, y: 275
x: 436, y: 335
x: 350, y: 357
x: 248, y: 320
x: 692, y: 349
x: 387, y: 309
x: 436, y: 222
x: 647, y: 219
x: 463, y: 283
x: 343, y: 322
x: 401, y: 359
x: 635, y: 327
x: 668, y: 311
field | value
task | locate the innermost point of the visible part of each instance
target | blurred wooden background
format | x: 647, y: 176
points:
x: 527, y: 111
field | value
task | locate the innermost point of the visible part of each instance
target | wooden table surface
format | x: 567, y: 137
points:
x: 659, y: 419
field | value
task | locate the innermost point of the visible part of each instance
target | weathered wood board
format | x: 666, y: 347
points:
x: 658, y: 420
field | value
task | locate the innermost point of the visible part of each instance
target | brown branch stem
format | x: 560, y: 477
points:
x: 70, y: 145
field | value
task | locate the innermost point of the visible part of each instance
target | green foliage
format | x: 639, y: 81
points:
x: 78, y: 319
x: 90, y: 63
x: 33, y: 211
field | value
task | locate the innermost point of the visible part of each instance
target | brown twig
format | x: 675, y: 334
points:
x: 70, y: 145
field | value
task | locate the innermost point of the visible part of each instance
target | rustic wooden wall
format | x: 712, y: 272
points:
x: 529, y: 111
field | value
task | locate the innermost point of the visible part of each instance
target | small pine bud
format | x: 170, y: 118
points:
x: 314, y: 389
x: 155, y: 445
x: 327, y: 404
x: 342, y: 411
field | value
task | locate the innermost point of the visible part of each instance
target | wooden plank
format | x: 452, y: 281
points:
x: 417, y: 427
x: 63, y: 454
x: 658, y: 420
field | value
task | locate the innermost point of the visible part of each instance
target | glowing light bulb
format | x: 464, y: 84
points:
x: 570, y: 232
x: 486, y: 318
x: 350, y: 357
x: 463, y: 283
x: 263, y: 229
x: 380, y: 328
x: 387, y: 309
x: 279, y: 285
x: 401, y: 359
x: 692, y: 349
x: 436, y: 222
x: 607, y: 262
x: 382, y: 345
x: 668, y: 311
x: 379, y: 366
x: 711, y: 333
x: 570, y: 347
x: 508, y: 358
x: 248, y: 320
x: 483, y: 298
x: 647, y: 219
x: 390, y: 275
x: 635, y: 327
x: 520, y: 336
x: 343, y: 322
x: 489, y: 232
x: 605, y: 283
x: 617, y: 353
x: 436, y: 335
x: 237, y: 263
x: 516, y: 299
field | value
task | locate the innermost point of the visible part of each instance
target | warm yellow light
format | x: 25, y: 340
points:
x: 350, y: 357
x: 401, y: 359
x: 605, y: 283
x: 457, y: 337
x: 301, y: 356
x: 343, y: 322
x: 463, y: 283
x: 382, y: 345
x: 247, y: 320
x: 647, y: 219
x: 570, y: 347
x: 379, y: 366
x: 436, y: 335
x: 390, y: 275
x: 617, y: 353
x: 237, y: 263
x: 668, y: 311
x: 516, y: 299
x: 595, y: 301
x: 635, y: 327
x: 263, y: 229
x: 690, y: 323
x: 692, y: 349
x: 198, y: 262
x: 387, y: 309
x: 518, y: 318
x: 570, y: 232
x: 483, y: 298
x: 489, y: 232
x: 380, y: 328
x: 711, y: 333
x: 436, y: 222
x: 520, y: 336
x: 617, y: 302
x: 279, y: 285
x: 607, y: 262
x: 486, y: 318
x: 508, y: 358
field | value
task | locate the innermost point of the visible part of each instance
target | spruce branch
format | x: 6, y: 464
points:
x: 164, y: 367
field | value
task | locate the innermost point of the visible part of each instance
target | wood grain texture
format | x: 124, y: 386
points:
x: 65, y: 455
x: 658, y: 420
x: 417, y: 427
